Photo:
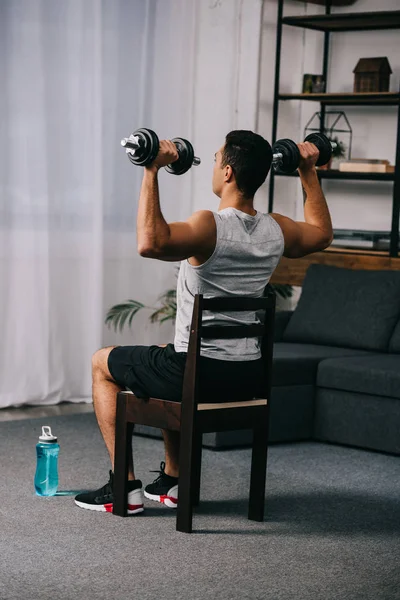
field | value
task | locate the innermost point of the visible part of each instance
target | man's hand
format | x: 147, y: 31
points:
x: 167, y: 154
x: 309, y: 155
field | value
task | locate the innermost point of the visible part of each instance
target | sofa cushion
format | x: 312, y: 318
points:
x: 394, y: 344
x: 347, y: 308
x: 357, y: 420
x: 376, y: 374
x: 282, y: 318
x: 296, y: 364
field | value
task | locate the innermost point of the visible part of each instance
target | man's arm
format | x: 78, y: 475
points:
x: 316, y: 211
x: 316, y: 233
x: 175, y: 241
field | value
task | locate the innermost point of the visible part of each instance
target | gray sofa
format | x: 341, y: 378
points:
x: 336, y: 369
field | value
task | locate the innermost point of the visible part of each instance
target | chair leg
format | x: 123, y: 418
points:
x: 196, y: 479
x: 122, y: 431
x: 258, y: 474
x: 184, y: 515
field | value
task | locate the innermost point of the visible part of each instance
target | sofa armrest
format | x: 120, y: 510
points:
x: 282, y: 318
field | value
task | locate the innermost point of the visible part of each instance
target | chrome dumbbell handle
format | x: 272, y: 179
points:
x: 130, y: 143
x: 196, y: 161
x: 277, y: 157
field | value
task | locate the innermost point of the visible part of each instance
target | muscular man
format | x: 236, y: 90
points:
x: 231, y: 252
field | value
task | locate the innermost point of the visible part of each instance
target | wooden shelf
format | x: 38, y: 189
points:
x: 292, y: 271
x: 359, y: 99
x: 336, y: 174
x: 364, y: 251
x: 361, y: 21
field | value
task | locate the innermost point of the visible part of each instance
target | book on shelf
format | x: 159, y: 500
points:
x: 366, y: 166
x: 362, y: 239
x: 369, y: 161
x: 353, y: 243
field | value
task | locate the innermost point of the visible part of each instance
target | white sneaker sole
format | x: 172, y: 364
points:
x: 167, y: 500
x: 133, y: 509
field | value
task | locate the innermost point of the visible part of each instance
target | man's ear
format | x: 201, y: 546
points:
x: 228, y: 173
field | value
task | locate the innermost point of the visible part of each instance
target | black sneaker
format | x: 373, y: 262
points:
x: 102, y: 499
x: 164, y: 489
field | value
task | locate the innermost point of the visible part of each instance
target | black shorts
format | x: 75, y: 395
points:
x: 151, y: 371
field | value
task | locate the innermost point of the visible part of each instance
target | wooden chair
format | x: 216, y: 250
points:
x: 192, y: 417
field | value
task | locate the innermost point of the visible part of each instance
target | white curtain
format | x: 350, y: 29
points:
x: 77, y: 76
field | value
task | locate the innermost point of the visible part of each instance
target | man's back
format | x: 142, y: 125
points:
x: 248, y: 249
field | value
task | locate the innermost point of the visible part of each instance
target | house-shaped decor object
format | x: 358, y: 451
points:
x: 372, y: 75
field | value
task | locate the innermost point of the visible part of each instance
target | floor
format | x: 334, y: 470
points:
x: 32, y: 412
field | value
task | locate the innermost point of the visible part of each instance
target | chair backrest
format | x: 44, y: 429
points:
x: 263, y: 330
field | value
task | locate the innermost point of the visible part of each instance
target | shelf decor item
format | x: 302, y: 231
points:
x: 366, y: 165
x: 372, y: 75
x: 337, y: 128
x: 313, y: 84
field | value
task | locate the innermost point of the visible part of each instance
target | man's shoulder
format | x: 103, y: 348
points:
x: 202, y: 216
x: 203, y: 222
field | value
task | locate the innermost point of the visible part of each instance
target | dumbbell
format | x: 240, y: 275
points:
x: 142, y: 148
x: 286, y: 154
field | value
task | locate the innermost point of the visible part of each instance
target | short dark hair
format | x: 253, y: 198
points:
x: 250, y: 157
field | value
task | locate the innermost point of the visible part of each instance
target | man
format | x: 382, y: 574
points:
x: 229, y: 253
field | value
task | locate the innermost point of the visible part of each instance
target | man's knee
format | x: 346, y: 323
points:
x: 100, y: 360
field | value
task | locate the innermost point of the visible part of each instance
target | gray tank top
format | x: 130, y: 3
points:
x: 246, y: 253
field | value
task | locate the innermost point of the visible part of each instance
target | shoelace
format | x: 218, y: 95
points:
x: 108, y: 487
x: 161, y: 472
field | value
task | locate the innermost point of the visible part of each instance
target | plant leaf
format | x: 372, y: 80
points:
x: 283, y: 290
x: 164, y: 313
x: 119, y: 313
x: 168, y: 297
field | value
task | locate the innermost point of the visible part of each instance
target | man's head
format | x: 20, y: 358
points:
x: 244, y: 162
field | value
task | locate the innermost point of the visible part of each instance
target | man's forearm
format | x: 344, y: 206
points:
x: 152, y: 228
x: 316, y: 211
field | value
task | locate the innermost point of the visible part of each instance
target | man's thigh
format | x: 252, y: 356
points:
x: 149, y: 371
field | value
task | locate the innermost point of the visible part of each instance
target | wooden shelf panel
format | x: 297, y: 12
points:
x: 359, y: 99
x: 362, y: 251
x: 336, y: 174
x: 361, y: 21
x: 292, y: 271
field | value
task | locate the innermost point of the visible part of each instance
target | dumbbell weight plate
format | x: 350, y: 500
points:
x: 185, y: 160
x: 290, y: 155
x: 148, y: 150
x: 324, y: 146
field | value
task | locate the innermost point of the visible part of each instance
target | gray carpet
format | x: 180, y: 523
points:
x: 331, y: 532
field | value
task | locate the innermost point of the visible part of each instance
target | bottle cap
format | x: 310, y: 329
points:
x: 47, y: 435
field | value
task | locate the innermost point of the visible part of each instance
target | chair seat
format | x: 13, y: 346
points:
x: 212, y: 416
x: 244, y: 404
x: 217, y: 405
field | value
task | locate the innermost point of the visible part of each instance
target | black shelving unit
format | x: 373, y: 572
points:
x: 334, y: 174
x: 330, y: 23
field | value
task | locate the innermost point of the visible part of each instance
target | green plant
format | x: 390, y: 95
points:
x: 282, y: 290
x: 120, y: 314
x: 340, y: 149
x: 123, y: 313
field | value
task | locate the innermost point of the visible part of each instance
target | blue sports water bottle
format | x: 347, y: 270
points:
x: 46, y: 476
